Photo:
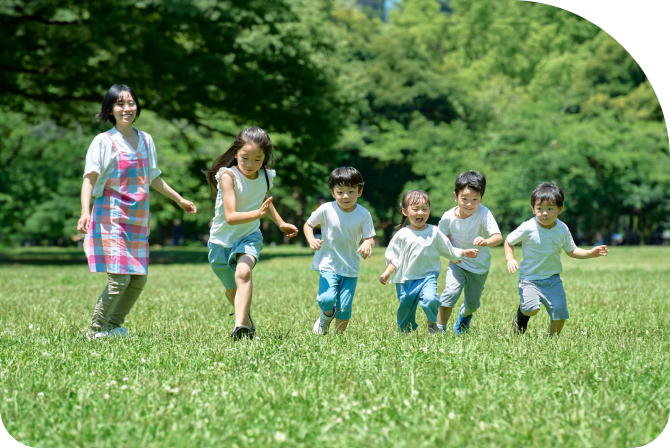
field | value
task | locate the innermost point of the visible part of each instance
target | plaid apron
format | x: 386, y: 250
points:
x: 117, y: 241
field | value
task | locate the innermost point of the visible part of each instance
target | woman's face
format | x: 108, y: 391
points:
x: 125, y: 109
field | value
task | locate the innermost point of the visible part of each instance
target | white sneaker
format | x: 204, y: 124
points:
x: 323, y: 323
x: 97, y: 335
x: 119, y: 332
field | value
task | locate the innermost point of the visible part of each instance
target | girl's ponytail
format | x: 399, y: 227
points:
x: 410, y: 198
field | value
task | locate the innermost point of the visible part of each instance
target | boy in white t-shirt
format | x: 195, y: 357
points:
x: 469, y: 225
x: 338, y: 257
x: 543, y: 237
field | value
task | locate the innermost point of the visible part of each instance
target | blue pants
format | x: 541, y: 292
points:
x: 336, y: 291
x: 417, y: 292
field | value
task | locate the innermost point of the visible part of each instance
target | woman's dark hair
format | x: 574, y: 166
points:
x: 254, y: 136
x: 410, y: 198
x: 472, y: 180
x: 111, y: 97
x: 547, y: 192
x: 345, y: 176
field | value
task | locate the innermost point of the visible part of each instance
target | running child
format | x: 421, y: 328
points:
x: 413, y: 255
x: 240, y: 179
x: 120, y: 166
x: 469, y: 224
x: 543, y: 237
x: 337, y: 255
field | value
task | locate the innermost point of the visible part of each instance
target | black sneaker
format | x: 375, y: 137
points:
x: 242, y: 332
x: 517, y: 328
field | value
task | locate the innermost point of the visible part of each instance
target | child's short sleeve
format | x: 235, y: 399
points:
x: 368, y: 226
x: 223, y: 169
x: 271, y: 177
x: 518, y: 235
x: 317, y: 217
x: 443, y: 226
x: 491, y: 224
x: 445, y: 248
x: 568, y: 243
x: 393, y: 251
x: 95, y: 156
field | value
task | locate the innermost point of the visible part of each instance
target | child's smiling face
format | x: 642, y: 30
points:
x: 546, y: 213
x: 250, y: 160
x: 346, y: 196
x: 468, y: 201
x: 417, y: 214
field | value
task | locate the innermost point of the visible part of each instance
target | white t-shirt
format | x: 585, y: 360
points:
x: 416, y: 254
x: 249, y: 196
x: 464, y: 231
x: 101, y: 157
x: 341, y: 233
x: 541, y: 248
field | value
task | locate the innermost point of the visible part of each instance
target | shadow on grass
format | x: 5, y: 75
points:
x: 70, y: 256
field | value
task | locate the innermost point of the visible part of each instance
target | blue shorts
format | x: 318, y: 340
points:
x: 336, y: 291
x: 549, y: 292
x: 223, y: 260
x: 421, y: 292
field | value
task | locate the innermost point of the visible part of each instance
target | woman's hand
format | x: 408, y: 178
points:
x: 289, y: 229
x: 188, y: 206
x: 84, y: 222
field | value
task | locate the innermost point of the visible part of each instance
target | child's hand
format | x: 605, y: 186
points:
x: 479, y: 241
x: 264, y: 207
x: 188, y: 206
x: 384, y: 277
x: 512, y: 266
x: 289, y: 229
x: 470, y: 253
x: 365, y: 250
x: 599, y: 251
x: 83, y: 223
x: 315, y: 244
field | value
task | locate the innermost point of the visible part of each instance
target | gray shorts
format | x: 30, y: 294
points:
x: 459, y: 279
x: 549, y: 292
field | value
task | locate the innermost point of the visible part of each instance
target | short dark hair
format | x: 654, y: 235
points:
x: 109, y: 101
x: 547, y: 192
x: 470, y: 179
x: 345, y: 176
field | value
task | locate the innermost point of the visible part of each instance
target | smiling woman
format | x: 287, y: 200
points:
x: 120, y: 166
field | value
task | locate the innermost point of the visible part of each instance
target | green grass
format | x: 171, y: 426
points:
x: 180, y: 382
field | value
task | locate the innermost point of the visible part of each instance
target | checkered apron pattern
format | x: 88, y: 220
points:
x: 117, y: 241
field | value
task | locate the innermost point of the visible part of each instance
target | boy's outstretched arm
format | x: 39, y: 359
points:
x: 289, y: 229
x: 492, y: 241
x: 314, y: 243
x: 581, y: 254
x: 512, y: 264
x: 390, y: 269
x: 366, y: 248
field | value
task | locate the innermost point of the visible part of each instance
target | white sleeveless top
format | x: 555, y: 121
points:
x: 249, y: 196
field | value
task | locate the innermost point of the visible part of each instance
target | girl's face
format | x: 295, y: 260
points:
x: 417, y: 214
x: 125, y: 109
x: 468, y: 201
x: 250, y: 160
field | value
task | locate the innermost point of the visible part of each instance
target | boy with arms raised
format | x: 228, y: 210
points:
x: 543, y: 237
x: 338, y: 257
x: 469, y: 225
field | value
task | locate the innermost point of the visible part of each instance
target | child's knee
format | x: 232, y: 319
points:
x: 242, y: 273
x: 326, y: 299
x: 530, y: 310
x: 432, y: 303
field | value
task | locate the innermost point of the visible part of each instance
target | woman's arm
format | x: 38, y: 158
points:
x: 163, y: 188
x: 233, y: 217
x: 289, y: 229
x: 86, y: 193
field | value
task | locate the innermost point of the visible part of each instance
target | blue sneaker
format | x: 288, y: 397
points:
x: 462, y: 323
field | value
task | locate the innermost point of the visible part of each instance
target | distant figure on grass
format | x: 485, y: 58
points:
x: 414, y: 256
x: 120, y: 166
x: 240, y: 180
x: 343, y: 225
x: 469, y: 224
x: 543, y: 237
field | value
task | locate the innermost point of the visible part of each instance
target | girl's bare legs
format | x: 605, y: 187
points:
x: 242, y: 302
x: 341, y: 325
x: 556, y: 326
x: 443, y: 315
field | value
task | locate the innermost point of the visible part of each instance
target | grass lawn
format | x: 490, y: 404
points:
x: 179, y: 381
